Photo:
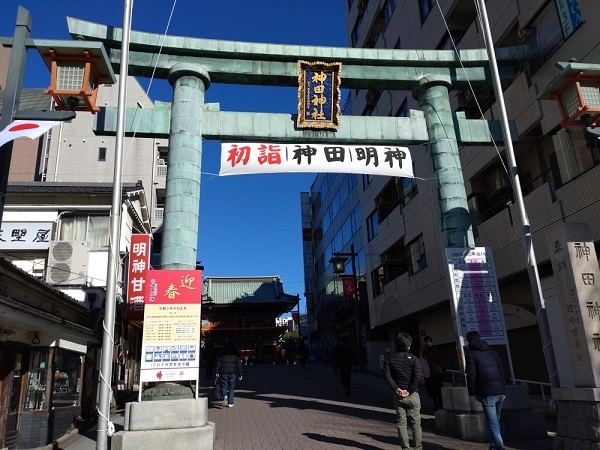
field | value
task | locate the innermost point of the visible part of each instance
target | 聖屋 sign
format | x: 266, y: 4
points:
x: 171, y: 337
x: 249, y: 158
x: 25, y: 235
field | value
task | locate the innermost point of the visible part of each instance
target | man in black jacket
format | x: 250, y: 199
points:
x: 402, y: 372
x: 485, y: 382
x: 229, y: 367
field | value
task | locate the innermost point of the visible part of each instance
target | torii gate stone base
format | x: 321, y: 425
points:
x: 429, y: 74
x: 158, y: 425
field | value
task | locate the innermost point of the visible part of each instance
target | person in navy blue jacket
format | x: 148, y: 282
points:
x: 485, y: 382
x: 229, y: 367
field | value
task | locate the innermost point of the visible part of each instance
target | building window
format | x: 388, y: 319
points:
x: 387, y: 200
x: 416, y: 250
x: 425, y: 6
x: 402, y: 111
x: 388, y: 10
x: 395, y: 261
x: 102, y: 154
x: 408, y: 188
x: 94, y: 229
x: 367, y: 179
x: 372, y: 225
x: 67, y: 378
x: 378, y: 280
x: 356, y: 31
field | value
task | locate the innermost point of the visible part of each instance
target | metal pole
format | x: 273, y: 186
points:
x: 532, y: 269
x: 105, y: 427
x: 356, y: 308
x: 12, y: 95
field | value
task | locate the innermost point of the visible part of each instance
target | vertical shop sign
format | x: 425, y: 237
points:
x: 139, y: 263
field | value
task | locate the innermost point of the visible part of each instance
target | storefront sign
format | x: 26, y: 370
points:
x: 25, y: 235
x: 171, y: 338
x: 248, y: 158
x: 319, y: 94
x: 476, y: 305
x: 139, y: 264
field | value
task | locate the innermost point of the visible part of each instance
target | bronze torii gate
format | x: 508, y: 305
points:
x: 192, y: 64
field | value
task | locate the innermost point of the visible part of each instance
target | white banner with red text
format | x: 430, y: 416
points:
x: 248, y: 158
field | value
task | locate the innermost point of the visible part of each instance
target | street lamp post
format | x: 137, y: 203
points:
x: 339, y: 266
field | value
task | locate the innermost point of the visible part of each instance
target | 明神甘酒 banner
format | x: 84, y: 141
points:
x: 248, y: 158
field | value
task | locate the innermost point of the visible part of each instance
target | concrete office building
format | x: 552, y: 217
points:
x: 400, y: 256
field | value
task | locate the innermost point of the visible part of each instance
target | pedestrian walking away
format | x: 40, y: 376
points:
x: 342, y: 357
x: 485, y: 382
x: 432, y: 371
x: 402, y: 372
x: 229, y: 368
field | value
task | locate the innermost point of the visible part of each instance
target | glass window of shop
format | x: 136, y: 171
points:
x: 37, y: 380
x: 67, y: 378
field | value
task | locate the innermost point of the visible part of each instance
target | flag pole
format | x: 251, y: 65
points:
x: 534, y: 276
x: 105, y: 426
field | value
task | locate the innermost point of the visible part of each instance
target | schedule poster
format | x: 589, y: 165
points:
x: 171, y: 338
x: 476, y: 302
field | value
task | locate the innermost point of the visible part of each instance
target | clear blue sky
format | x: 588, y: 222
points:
x: 249, y: 224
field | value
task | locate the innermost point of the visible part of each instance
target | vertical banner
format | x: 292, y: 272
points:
x: 349, y: 286
x: 171, y: 339
x: 139, y: 264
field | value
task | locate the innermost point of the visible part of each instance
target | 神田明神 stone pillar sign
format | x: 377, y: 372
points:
x: 577, y: 276
x: 182, y: 203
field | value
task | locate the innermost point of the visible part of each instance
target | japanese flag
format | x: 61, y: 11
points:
x: 25, y: 128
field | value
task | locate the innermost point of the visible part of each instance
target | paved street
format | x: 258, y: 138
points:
x: 285, y: 406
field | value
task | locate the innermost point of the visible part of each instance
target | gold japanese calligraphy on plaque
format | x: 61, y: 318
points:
x: 319, y: 95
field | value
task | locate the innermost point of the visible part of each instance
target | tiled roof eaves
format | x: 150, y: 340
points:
x: 62, y: 188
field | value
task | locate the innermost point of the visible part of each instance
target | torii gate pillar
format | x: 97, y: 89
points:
x: 182, y: 203
x: 449, y: 195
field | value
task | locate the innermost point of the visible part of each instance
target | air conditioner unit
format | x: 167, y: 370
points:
x: 67, y: 263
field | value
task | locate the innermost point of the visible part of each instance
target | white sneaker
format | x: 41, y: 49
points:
x: 224, y: 400
x: 231, y: 406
